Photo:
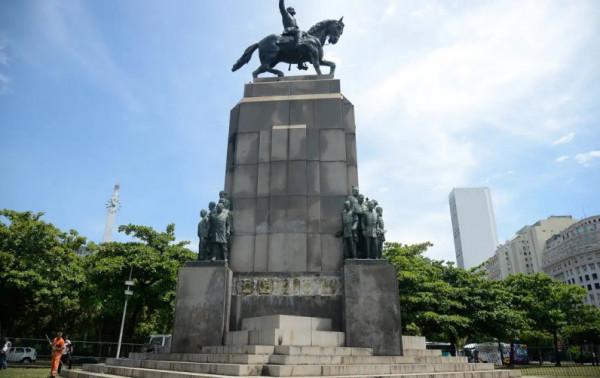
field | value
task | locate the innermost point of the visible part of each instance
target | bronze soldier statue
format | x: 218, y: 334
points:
x: 220, y: 232
x: 369, y: 225
x: 212, y: 209
x: 224, y: 198
x: 349, y: 227
x: 203, y: 236
x: 380, y: 231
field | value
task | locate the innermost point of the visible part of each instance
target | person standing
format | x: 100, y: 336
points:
x: 57, y: 345
x: 66, y: 354
x: 4, y: 355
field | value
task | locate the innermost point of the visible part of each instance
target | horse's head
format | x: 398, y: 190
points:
x: 335, y: 30
x: 331, y: 29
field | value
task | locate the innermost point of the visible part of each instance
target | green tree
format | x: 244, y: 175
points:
x: 154, y: 261
x: 427, y: 301
x: 443, y: 302
x: 550, y: 304
x: 40, y: 274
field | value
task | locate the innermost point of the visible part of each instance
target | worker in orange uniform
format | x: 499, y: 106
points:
x: 58, y: 344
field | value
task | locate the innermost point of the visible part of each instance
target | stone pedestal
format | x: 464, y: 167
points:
x: 291, y: 163
x: 371, y: 306
x: 202, y: 306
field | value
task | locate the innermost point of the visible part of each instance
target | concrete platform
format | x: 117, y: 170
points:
x: 299, y: 359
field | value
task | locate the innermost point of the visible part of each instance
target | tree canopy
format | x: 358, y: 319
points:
x: 46, y: 286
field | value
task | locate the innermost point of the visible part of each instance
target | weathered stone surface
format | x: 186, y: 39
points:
x: 245, y: 180
x: 242, y: 253
x: 279, y: 144
x: 246, y: 151
x: 371, y: 307
x: 302, y: 113
x: 313, y: 252
x: 292, y: 150
x: 202, y: 308
x: 333, y: 145
x: 257, y: 116
x: 261, y: 305
x: 297, y: 150
x: 328, y: 114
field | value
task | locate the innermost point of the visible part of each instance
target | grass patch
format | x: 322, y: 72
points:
x: 19, y: 372
x: 563, y: 371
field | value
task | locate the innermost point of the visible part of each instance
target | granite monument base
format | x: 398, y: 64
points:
x: 202, y: 306
x: 371, y: 306
x: 305, y: 294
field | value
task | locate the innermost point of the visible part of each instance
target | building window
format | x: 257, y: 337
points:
x: 589, y: 287
x: 595, y: 276
x: 587, y: 277
x: 597, y: 285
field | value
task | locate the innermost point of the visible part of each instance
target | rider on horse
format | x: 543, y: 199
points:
x: 290, y: 27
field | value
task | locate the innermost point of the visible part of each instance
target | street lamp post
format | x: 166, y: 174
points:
x: 128, y: 293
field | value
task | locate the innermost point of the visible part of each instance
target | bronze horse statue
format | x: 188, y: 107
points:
x: 275, y: 48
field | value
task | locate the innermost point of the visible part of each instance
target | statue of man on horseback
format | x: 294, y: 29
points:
x: 290, y: 27
x: 294, y: 46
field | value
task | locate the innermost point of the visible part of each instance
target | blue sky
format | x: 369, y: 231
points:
x: 504, y: 94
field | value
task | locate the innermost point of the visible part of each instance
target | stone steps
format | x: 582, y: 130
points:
x: 284, y: 336
x: 422, y: 352
x: 322, y: 351
x: 298, y: 359
x: 378, y: 370
x: 192, y: 370
x: 103, y: 371
x: 362, y: 360
x: 280, y: 366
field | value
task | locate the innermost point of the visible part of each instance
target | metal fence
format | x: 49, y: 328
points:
x: 84, y: 351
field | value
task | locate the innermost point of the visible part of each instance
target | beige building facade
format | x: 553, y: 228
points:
x: 524, y: 252
x: 573, y: 257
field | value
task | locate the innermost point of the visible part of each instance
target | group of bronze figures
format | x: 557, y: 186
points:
x: 363, y: 228
x: 215, y: 230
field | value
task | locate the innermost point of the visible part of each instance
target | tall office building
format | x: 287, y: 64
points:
x: 473, y: 224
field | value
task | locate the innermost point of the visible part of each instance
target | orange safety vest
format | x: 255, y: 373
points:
x: 58, y: 344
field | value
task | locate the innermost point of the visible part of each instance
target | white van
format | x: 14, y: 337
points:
x: 25, y: 355
x: 158, y: 344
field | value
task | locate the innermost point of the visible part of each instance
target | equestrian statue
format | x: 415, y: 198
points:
x: 294, y: 46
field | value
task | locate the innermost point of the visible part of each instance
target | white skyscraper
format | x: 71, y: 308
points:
x: 473, y: 224
x: 112, y: 206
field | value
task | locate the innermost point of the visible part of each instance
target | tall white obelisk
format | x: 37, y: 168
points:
x: 112, y: 206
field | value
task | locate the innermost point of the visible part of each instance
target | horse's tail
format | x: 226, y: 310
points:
x: 245, y: 57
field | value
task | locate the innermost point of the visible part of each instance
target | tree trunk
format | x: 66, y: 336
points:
x: 512, y: 355
x: 557, y: 357
x: 501, y: 353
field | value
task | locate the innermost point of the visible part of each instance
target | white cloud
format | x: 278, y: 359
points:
x: 588, y: 159
x: 561, y: 159
x: 4, y: 82
x: 564, y: 139
x: 388, y: 13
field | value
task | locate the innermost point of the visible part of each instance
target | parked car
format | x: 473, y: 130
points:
x: 158, y: 344
x: 25, y: 355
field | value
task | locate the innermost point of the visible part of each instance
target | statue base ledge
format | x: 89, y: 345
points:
x: 292, y: 78
x: 366, y: 262
x: 195, y: 264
